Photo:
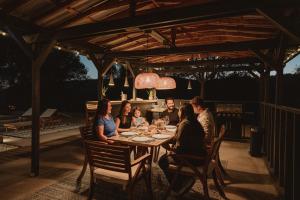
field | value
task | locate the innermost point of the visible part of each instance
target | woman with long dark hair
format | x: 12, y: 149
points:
x: 123, y: 120
x: 104, y: 125
x: 189, y: 140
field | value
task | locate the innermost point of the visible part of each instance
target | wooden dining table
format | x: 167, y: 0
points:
x: 154, y: 144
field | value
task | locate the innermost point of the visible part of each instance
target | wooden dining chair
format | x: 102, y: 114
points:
x: 185, y: 167
x: 111, y: 163
x: 87, y: 133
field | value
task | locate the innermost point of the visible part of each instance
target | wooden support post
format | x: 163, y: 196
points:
x: 98, y: 65
x: 100, y: 86
x: 279, y: 87
x: 202, y: 92
x: 35, y: 139
x: 267, y: 86
x: 133, y: 80
x: 262, y: 86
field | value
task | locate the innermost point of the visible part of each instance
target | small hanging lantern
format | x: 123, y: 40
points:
x: 189, y: 85
x: 166, y: 83
x: 126, y: 84
x: 111, y: 80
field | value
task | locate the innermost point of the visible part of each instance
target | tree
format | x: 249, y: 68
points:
x: 15, y: 67
x: 297, y: 71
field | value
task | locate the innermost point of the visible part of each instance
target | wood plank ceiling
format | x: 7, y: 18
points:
x: 56, y: 15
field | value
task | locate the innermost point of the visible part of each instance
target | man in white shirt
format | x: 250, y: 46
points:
x: 205, y: 118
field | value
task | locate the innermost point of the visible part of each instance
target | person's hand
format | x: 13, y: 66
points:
x: 110, y: 141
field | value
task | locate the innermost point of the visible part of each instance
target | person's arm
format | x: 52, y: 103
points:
x: 178, y: 137
x: 133, y: 121
x: 118, y: 121
x: 100, y: 132
x: 145, y: 122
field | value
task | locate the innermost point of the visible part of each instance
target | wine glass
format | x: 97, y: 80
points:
x: 167, y: 120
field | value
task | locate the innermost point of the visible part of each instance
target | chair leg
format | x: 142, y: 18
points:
x: 91, y: 192
x: 147, y: 178
x: 170, y: 187
x: 205, y: 187
x: 85, y: 163
x: 156, y: 153
x: 220, y: 165
x: 219, y: 188
x: 219, y: 175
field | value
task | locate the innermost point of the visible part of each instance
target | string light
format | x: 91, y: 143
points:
x: 3, y: 33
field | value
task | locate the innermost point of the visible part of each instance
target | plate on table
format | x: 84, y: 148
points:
x: 161, y: 136
x: 128, y: 133
x: 172, y: 130
x: 170, y: 127
x: 141, y: 139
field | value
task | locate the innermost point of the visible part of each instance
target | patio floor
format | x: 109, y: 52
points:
x: 61, y: 162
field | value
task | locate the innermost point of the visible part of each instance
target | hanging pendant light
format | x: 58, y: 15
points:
x: 146, y: 80
x: 126, y: 79
x: 189, y: 85
x: 111, y: 80
x: 166, y: 83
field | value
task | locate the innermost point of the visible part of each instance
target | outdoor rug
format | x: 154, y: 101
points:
x: 65, y: 189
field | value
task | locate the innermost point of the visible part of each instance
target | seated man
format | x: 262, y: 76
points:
x: 171, y: 112
x: 205, y: 118
x: 188, y: 140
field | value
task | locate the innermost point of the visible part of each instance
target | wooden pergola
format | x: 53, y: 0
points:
x: 176, y: 36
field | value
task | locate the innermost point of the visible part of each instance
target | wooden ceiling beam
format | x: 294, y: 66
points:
x: 23, y: 27
x: 264, y: 58
x: 104, y: 5
x: 60, y: 6
x: 128, y: 41
x: 161, y: 38
x: 200, y: 62
x: 278, y: 22
x: 154, y: 20
x: 26, y: 48
x: 13, y: 5
x: 244, y: 67
x: 228, y: 46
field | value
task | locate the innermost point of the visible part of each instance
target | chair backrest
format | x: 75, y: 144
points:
x: 109, y: 157
x: 90, y: 112
x: 217, y: 143
x: 87, y: 133
x: 48, y: 113
x: 27, y: 113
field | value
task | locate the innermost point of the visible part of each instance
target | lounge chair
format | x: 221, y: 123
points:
x: 27, y: 113
x: 46, y: 118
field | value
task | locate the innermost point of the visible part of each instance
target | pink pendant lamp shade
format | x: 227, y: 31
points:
x: 146, y: 81
x: 166, y: 83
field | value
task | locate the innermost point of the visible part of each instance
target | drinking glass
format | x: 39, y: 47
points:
x: 167, y: 120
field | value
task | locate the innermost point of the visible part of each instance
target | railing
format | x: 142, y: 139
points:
x: 280, y: 125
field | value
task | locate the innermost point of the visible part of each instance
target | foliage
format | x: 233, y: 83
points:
x: 297, y: 71
x: 15, y: 67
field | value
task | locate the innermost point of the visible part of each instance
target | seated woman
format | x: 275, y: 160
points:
x: 124, y: 119
x: 189, y: 139
x: 137, y: 120
x: 104, y: 125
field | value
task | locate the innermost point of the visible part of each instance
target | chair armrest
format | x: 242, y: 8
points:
x: 140, y: 159
x: 186, y: 156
